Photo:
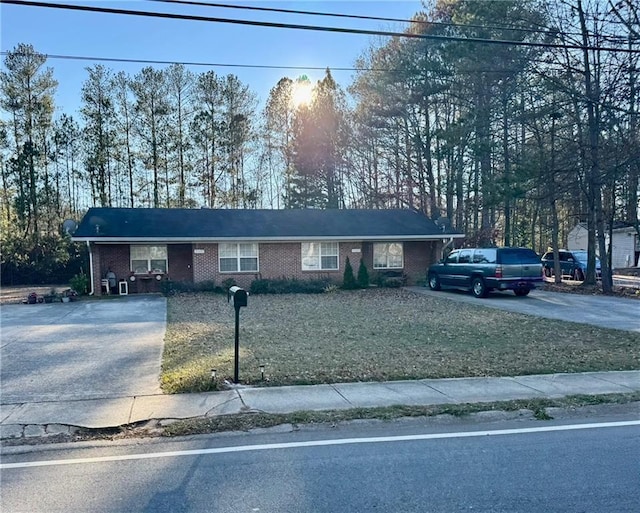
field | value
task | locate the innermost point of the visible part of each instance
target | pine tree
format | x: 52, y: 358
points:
x: 363, y: 276
x: 349, y: 280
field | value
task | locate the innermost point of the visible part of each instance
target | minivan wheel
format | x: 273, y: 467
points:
x: 478, y: 287
x: 434, y: 282
x: 578, y: 275
x: 521, y: 292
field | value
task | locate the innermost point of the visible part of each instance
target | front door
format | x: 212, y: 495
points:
x: 180, y: 264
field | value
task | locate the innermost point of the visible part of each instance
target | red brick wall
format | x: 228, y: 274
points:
x: 117, y: 257
x: 275, y: 260
x: 417, y: 257
x: 205, y: 262
x: 114, y: 256
x: 199, y: 262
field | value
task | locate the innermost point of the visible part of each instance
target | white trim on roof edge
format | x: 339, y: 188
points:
x: 406, y: 238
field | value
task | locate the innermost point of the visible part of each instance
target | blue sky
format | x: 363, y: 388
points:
x: 63, y: 32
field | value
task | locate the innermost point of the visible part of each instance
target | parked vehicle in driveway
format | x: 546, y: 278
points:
x: 572, y: 264
x: 484, y: 269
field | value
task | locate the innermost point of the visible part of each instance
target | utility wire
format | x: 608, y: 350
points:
x: 440, y: 70
x: 187, y: 63
x: 341, y: 30
x: 354, y: 16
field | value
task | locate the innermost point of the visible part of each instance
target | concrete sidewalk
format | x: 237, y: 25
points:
x: 54, y: 417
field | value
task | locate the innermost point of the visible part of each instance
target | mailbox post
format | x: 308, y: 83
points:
x: 238, y: 298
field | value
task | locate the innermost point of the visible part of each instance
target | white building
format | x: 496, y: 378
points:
x: 625, y: 248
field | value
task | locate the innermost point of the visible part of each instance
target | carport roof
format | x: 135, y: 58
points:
x: 184, y: 225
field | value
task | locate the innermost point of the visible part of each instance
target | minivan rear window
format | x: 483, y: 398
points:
x: 519, y: 256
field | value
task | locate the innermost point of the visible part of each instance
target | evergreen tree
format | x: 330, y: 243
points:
x: 349, y: 280
x: 363, y: 276
x: 99, y: 132
x: 319, y: 148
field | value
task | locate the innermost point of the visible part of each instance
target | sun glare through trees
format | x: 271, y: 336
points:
x: 302, y: 92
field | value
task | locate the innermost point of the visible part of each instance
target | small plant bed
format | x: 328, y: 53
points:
x: 373, y: 335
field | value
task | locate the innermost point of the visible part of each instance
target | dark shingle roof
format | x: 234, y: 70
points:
x: 121, y: 224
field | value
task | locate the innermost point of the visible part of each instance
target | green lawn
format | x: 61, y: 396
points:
x: 374, y: 335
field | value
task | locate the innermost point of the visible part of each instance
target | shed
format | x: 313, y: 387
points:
x: 625, y: 247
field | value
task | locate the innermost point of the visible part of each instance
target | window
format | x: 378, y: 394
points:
x: 238, y: 258
x: 464, y: 257
x: 388, y: 256
x: 452, y: 258
x: 484, y: 256
x: 148, y: 259
x: 319, y: 256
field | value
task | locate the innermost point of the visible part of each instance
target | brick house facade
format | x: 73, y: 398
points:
x: 398, y: 241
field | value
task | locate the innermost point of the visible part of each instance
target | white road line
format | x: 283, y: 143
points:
x: 317, y: 443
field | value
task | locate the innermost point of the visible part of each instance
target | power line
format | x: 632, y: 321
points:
x: 341, y: 30
x: 353, y: 16
x: 266, y: 66
x: 188, y: 63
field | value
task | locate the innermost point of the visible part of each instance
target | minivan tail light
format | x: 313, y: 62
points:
x: 498, y: 271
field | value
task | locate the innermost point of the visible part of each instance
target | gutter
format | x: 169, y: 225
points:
x: 297, y: 238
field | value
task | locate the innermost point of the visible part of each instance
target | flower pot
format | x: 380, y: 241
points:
x: 66, y: 299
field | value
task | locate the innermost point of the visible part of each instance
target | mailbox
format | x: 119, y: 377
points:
x: 237, y: 297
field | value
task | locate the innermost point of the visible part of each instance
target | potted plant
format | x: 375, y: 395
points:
x: 51, y: 296
x: 69, y: 295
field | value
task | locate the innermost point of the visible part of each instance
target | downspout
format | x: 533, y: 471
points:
x: 445, y: 246
x: 91, y: 292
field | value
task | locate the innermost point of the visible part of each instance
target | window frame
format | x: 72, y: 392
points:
x: 149, y: 257
x: 239, y: 257
x: 321, y: 254
x: 387, y: 266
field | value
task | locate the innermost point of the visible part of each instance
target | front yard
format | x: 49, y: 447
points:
x: 374, y: 335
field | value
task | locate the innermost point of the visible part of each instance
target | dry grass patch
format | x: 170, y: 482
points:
x: 374, y: 335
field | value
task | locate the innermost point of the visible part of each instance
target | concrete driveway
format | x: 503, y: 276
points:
x: 81, y: 350
x: 604, y: 311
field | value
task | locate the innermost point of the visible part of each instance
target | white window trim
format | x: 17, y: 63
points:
x: 149, y: 259
x: 238, y: 257
x: 320, y: 255
x: 387, y: 266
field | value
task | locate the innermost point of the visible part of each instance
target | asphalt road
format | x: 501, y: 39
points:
x: 355, y: 468
x: 604, y: 311
x: 82, y: 350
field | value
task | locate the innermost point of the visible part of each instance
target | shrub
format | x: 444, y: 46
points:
x: 390, y: 279
x: 79, y: 283
x: 202, y: 286
x: 393, y: 283
x: 288, y: 286
x: 363, y: 276
x: 228, y: 283
x: 349, y: 281
x: 168, y: 287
